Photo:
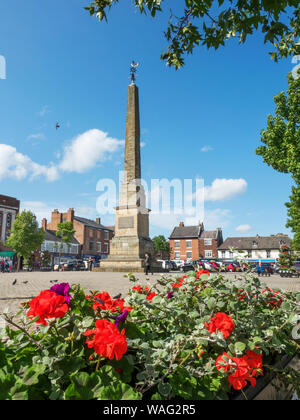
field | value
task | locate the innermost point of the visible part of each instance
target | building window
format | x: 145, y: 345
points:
x: 230, y: 254
x: 249, y: 254
x: 189, y: 255
x: 223, y: 254
x: 189, y: 244
x: 105, y: 248
x: 106, y: 235
x: 254, y: 243
x: 177, y: 255
x: 98, y: 246
x: 208, y: 253
x: 177, y: 244
x: 91, y: 233
x: 91, y: 246
x: 207, y: 242
x: 8, y: 220
x: 268, y: 253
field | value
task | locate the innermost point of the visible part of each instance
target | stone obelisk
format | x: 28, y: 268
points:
x: 131, y: 240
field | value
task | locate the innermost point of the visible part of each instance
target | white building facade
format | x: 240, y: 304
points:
x: 256, y: 248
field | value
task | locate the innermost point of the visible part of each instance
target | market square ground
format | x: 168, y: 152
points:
x: 29, y: 285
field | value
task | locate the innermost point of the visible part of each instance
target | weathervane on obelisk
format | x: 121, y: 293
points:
x: 133, y: 70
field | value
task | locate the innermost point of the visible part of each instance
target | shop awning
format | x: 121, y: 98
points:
x: 7, y: 254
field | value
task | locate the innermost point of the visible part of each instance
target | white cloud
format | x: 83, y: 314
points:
x: 19, y: 166
x: 87, y: 150
x: 41, y: 210
x: 82, y: 154
x: 206, y: 149
x: 37, y: 136
x: 45, y: 110
x: 243, y: 228
x: 224, y: 189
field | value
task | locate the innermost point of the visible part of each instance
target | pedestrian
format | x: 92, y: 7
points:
x: 6, y: 266
x: 2, y: 266
x: 90, y: 264
x: 148, y: 264
x: 10, y: 266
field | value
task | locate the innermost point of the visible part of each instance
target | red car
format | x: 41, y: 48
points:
x: 230, y: 267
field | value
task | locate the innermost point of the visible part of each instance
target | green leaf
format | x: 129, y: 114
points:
x: 164, y: 389
x: 239, y: 347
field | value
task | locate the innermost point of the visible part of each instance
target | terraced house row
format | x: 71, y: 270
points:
x: 194, y: 243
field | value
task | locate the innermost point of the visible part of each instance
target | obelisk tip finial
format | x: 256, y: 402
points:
x: 133, y: 70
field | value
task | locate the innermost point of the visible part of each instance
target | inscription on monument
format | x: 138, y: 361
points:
x: 126, y: 222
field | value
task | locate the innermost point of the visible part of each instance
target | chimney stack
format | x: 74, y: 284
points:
x: 98, y: 220
x: 181, y: 224
x: 70, y: 215
x: 44, y: 224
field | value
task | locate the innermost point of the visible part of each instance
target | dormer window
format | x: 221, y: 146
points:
x: 254, y: 243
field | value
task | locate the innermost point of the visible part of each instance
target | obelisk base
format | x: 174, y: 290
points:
x: 127, y: 254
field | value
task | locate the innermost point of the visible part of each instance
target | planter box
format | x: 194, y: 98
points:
x: 265, y: 389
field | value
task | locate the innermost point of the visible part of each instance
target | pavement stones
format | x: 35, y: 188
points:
x: 29, y: 285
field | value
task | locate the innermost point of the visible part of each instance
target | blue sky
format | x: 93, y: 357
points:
x: 201, y: 121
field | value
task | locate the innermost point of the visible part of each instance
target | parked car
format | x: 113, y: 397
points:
x: 58, y: 267
x: 166, y: 265
x: 207, y: 265
x: 215, y: 266
x: 230, y: 267
x: 178, y: 263
x: 74, y: 265
x: 173, y: 265
x: 186, y: 267
x: 237, y: 267
x: 297, y: 268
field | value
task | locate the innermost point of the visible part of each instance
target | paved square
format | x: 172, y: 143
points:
x: 29, y: 285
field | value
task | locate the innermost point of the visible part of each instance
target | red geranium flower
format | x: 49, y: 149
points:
x: 221, y: 322
x: 239, y: 378
x: 226, y: 365
x: 109, y: 304
x: 47, y: 305
x: 107, y: 341
x: 199, y: 273
x: 141, y: 289
x: 242, y: 369
x: 150, y: 296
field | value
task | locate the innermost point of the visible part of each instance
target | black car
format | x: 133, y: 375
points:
x: 74, y: 265
x: 187, y: 267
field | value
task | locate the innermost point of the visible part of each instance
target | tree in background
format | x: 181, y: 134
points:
x: 281, y: 148
x: 211, y: 23
x: 65, y: 232
x: 25, y: 236
x: 46, y: 259
x: 161, y: 247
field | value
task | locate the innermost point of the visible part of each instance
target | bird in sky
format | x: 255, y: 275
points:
x: 57, y: 126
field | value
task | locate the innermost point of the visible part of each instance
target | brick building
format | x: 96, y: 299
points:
x: 194, y: 242
x: 9, y: 208
x: 93, y: 237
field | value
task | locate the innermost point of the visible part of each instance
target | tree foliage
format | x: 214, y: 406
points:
x: 281, y: 148
x: 161, y: 244
x: 26, y: 236
x: 66, y: 232
x: 211, y: 23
